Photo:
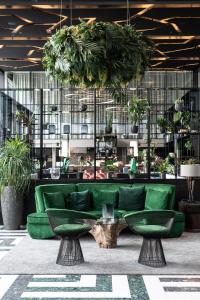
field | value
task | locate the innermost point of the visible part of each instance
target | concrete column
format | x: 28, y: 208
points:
x: 53, y: 157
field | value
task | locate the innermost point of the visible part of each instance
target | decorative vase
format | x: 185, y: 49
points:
x: 108, y: 130
x: 134, y: 129
x: 11, y: 208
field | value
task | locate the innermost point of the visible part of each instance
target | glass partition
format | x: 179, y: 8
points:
x: 89, y: 134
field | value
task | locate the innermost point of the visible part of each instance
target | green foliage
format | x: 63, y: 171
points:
x: 136, y: 109
x: 109, y: 119
x: 162, y: 122
x: 188, y: 145
x: 109, y: 165
x: 177, y: 117
x: 97, y: 55
x: 15, y: 165
x: 22, y: 117
x: 183, y: 117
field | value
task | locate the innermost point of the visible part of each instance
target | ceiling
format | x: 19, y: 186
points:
x: 174, y: 26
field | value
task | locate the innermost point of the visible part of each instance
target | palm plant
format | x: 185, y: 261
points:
x: 136, y: 110
x: 15, y: 172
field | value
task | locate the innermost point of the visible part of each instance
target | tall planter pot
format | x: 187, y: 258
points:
x: 134, y: 128
x: 11, y: 208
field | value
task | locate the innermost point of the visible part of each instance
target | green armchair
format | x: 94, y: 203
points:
x: 69, y: 225
x: 152, y: 225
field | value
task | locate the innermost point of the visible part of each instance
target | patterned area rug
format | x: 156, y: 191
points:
x: 107, y: 287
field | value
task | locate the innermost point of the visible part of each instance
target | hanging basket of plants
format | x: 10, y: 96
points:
x: 97, y: 55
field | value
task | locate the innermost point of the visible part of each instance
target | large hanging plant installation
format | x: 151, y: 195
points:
x: 97, y: 55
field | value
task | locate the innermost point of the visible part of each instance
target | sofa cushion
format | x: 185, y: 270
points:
x: 80, y: 201
x: 171, y: 189
x: 131, y: 198
x: 156, y: 199
x: 54, y: 200
x: 100, y: 197
x: 150, y: 229
x: 66, y: 189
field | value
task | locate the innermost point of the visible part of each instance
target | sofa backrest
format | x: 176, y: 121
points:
x: 100, y: 186
x: 66, y: 189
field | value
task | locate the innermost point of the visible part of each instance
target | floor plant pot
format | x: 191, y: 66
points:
x: 108, y: 130
x: 11, y: 208
x: 134, y: 129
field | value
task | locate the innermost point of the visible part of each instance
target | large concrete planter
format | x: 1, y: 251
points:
x: 11, y: 208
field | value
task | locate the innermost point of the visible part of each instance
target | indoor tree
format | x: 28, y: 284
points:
x: 15, y: 175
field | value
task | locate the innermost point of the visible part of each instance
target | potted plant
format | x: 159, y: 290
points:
x: 179, y: 104
x: 15, y: 174
x: 162, y: 123
x: 161, y: 165
x: 181, y: 121
x: 110, y: 168
x: 136, y: 110
x: 109, y: 121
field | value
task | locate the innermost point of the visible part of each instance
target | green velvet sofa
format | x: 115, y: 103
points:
x: 38, y: 225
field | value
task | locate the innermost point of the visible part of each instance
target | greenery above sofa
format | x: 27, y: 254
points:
x: 97, y: 54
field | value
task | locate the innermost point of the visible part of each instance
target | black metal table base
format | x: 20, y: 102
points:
x: 70, y: 252
x: 151, y: 253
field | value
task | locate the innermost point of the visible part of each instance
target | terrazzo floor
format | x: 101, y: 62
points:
x: 107, y: 287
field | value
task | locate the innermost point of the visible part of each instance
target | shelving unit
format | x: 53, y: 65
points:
x: 106, y: 146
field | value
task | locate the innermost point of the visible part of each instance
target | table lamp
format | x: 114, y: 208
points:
x: 190, y: 171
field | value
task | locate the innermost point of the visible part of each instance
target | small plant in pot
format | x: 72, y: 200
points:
x: 163, y: 124
x: 179, y: 104
x: 109, y: 121
x: 110, y: 168
x: 131, y: 174
x: 136, y: 110
x: 15, y: 174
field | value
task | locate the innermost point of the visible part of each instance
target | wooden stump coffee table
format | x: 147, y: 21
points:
x: 106, y: 234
